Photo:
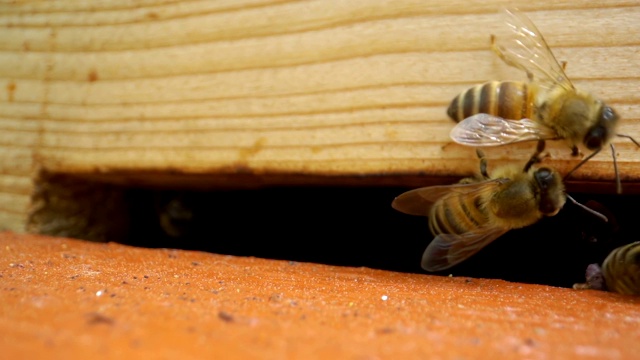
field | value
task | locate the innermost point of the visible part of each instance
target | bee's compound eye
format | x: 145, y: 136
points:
x: 608, y: 114
x: 544, y: 177
x: 544, y: 173
x: 595, y: 137
x: 547, y: 182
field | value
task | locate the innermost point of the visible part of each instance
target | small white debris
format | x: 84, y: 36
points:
x: 384, y: 297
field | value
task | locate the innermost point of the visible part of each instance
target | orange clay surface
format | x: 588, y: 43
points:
x: 71, y: 299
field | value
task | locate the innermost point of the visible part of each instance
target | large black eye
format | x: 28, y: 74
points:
x: 595, y: 137
x: 544, y: 178
x: 608, y: 114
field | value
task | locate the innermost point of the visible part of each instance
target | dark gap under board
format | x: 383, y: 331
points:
x: 347, y: 226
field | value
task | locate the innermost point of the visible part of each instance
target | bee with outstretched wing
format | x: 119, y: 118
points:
x: 547, y: 107
x: 467, y: 216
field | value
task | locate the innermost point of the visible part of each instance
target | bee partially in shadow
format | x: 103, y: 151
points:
x: 467, y: 216
x: 620, y: 271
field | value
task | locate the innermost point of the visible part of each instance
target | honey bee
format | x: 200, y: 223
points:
x: 620, y: 271
x: 175, y: 211
x: 547, y: 107
x: 467, y: 216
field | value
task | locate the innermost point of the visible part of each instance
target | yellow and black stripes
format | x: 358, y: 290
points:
x: 457, y: 215
x: 506, y: 99
x: 621, y: 269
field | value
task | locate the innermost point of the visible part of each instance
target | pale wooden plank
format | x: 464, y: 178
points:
x: 395, y: 35
x: 325, y: 102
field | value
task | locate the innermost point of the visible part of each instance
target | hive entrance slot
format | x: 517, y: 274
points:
x: 350, y: 226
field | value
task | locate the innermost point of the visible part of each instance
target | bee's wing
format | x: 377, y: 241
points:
x: 526, y: 49
x: 419, y: 201
x: 447, y: 250
x: 490, y: 130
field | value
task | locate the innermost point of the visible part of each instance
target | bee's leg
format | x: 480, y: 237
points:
x: 540, y: 147
x: 535, y: 158
x: 483, y: 164
x: 496, y: 49
x: 581, y: 286
x: 630, y: 138
x: 575, y: 151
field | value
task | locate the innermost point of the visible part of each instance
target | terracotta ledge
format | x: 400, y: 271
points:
x: 75, y: 300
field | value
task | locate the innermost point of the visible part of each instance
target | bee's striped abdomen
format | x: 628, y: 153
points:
x: 506, y: 99
x: 621, y: 269
x: 457, y: 215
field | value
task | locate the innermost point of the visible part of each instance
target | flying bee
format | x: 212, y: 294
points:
x: 467, y: 216
x: 547, y: 107
x: 620, y: 271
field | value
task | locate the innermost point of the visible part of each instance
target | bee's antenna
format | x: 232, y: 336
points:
x: 535, y: 158
x: 630, y: 138
x: 591, y: 211
x: 615, y: 163
x: 615, y: 169
x: 581, y: 163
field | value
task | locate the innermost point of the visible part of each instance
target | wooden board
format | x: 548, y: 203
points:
x: 314, y: 88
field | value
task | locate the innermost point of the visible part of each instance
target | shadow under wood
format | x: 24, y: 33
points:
x: 352, y: 226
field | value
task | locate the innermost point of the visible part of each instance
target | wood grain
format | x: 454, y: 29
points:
x: 318, y: 88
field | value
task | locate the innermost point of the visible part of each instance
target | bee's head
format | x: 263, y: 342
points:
x: 599, y: 134
x: 551, y: 191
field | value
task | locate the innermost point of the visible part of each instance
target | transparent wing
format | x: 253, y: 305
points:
x: 419, y: 201
x: 490, y: 130
x: 447, y: 250
x: 526, y: 49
